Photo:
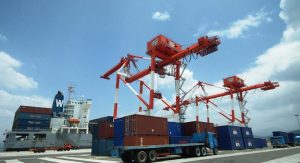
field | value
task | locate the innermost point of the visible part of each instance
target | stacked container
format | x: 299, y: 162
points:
x: 140, y: 130
x: 260, y: 143
x: 189, y: 128
x: 283, y: 134
x: 230, y: 138
x: 32, y: 118
x: 102, y: 131
x: 175, y: 134
x: 248, y: 137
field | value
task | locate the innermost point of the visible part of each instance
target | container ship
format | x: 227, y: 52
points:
x: 64, y: 123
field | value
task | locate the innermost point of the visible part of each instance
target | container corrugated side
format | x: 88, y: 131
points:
x: 33, y: 116
x: 260, y: 143
x: 230, y: 143
x: 118, y: 141
x: 249, y: 143
x: 106, y: 129
x: 246, y: 132
x: 102, y: 147
x: 31, y: 109
x: 174, y: 129
x: 119, y: 127
x: 145, y: 125
x: 229, y: 132
x: 142, y: 140
x: 189, y: 128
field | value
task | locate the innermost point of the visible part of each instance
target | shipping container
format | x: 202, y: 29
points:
x: 145, y: 125
x: 230, y: 143
x: 23, y: 122
x: 33, y: 116
x: 292, y: 136
x: 32, y: 109
x: 106, y: 129
x: 119, y: 127
x: 283, y: 134
x: 246, y: 132
x: 249, y: 143
x: 189, y: 128
x: 143, y: 140
x: 180, y: 139
x: 31, y: 128
x: 229, y: 132
x: 174, y: 129
x: 118, y: 141
x: 94, y: 131
x: 107, y: 118
x: 260, y: 143
x: 102, y: 147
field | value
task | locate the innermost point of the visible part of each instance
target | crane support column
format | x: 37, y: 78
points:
x: 207, y: 111
x: 141, y: 93
x: 197, y: 109
x: 241, y: 104
x: 152, y: 73
x: 232, y: 108
x: 116, y: 96
x: 177, y: 87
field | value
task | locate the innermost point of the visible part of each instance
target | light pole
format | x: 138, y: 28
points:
x: 297, y: 116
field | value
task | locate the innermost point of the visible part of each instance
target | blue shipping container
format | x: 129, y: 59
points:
x: 180, y: 139
x: 283, y: 134
x: 29, y: 122
x: 95, y: 131
x: 246, y: 132
x: 260, y: 143
x: 31, y: 116
x: 292, y: 137
x: 229, y: 132
x: 119, y: 127
x: 102, y: 147
x: 230, y: 143
x: 118, y: 141
x: 174, y: 129
x: 249, y: 143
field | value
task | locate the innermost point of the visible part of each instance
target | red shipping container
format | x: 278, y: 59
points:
x: 106, y: 130
x: 32, y: 109
x: 189, y: 128
x: 142, y: 140
x: 145, y: 125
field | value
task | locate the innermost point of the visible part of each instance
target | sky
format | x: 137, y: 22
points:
x: 47, y: 45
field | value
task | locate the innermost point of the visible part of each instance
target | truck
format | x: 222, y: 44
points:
x: 278, y: 142
x: 200, y: 145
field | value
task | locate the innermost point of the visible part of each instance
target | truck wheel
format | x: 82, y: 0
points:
x: 152, y: 156
x: 197, y: 152
x: 141, y: 157
x: 215, y: 151
x: 203, y: 151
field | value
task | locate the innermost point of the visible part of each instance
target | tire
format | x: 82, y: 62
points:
x: 141, y: 157
x: 152, y: 156
x: 203, y: 151
x: 197, y: 152
x: 215, y: 151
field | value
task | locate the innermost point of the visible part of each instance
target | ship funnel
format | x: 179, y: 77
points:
x: 58, y: 104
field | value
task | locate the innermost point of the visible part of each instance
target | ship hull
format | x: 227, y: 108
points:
x: 23, y: 141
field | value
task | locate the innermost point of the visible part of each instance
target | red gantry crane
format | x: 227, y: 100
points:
x: 163, y: 52
x: 233, y: 86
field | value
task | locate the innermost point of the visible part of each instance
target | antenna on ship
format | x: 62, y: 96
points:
x: 71, y: 90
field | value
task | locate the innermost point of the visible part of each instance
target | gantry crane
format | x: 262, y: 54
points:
x: 233, y: 86
x: 163, y: 52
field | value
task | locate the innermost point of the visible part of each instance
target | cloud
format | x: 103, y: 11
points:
x: 238, y: 27
x: 161, y: 16
x: 11, y: 102
x: 3, y: 37
x: 10, y: 77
